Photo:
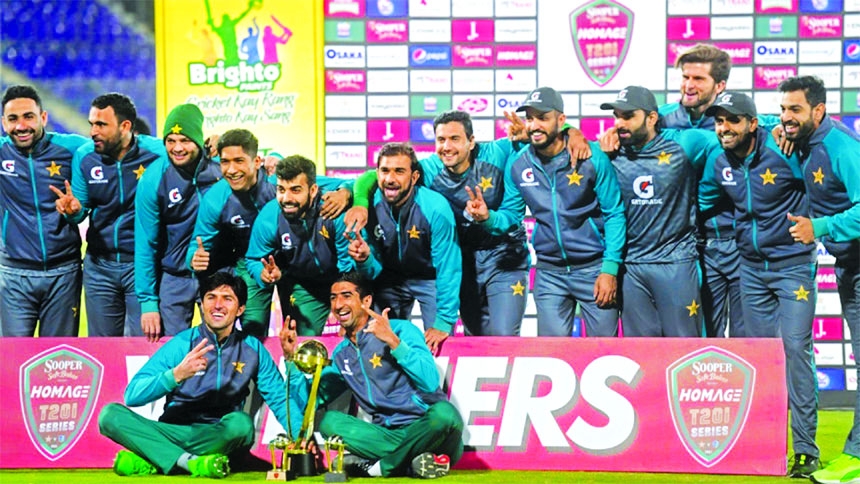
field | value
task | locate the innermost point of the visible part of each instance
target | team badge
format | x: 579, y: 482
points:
x: 601, y: 32
x: 710, y: 394
x: 58, y: 389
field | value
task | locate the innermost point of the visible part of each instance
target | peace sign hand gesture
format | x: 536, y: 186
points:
x: 476, y: 207
x: 271, y: 272
x: 193, y: 362
x: 67, y: 203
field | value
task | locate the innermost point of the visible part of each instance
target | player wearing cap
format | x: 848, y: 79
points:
x: 828, y: 155
x: 777, y: 273
x: 657, y: 173
x: 579, y: 232
x: 165, y: 211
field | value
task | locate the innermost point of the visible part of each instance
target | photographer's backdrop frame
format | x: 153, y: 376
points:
x: 354, y: 74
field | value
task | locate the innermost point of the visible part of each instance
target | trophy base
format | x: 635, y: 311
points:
x: 277, y: 475
x: 336, y: 477
x: 303, y: 465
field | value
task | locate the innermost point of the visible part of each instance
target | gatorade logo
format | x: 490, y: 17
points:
x: 175, y: 196
x: 643, y: 186
x: 286, y: 242
x: 97, y: 173
x: 9, y: 166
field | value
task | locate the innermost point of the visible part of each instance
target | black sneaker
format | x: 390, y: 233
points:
x: 804, y: 465
x: 431, y: 466
x: 355, y: 466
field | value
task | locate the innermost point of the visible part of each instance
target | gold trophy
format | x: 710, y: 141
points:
x: 280, y: 471
x: 311, y: 357
x: 335, y: 472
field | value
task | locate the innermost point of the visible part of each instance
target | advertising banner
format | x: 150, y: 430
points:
x: 608, y: 404
x: 250, y: 64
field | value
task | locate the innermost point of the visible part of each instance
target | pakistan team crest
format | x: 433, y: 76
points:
x: 601, y: 31
x: 710, y: 394
x: 58, y: 392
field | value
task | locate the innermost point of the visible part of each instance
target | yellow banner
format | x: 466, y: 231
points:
x: 251, y: 64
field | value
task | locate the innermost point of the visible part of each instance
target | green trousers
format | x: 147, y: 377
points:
x: 255, y: 319
x: 308, y: 304
x: 439, y: 431
x: 162, y: 444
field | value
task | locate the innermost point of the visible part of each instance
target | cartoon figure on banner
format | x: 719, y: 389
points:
x: 271, y: 41
x: 249, y: 45
x: 227, y: 30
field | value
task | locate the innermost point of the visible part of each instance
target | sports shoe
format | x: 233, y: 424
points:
x: 127, y: 463
x: 356, y: 466
x: 431, y: 466
x: 844, y: 469
x: 804, y: 465
x: 216, y: 466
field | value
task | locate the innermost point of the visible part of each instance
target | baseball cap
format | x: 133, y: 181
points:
x: 632, y: 98
x: 733, y: 102
x: 543, y: 99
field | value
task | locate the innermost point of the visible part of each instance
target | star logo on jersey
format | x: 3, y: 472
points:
x: 519, y: 289
x: 486, y: 183
x: 238, y: 365
x: 819, y: 176
x: 292, y: 300
x: 176, y: 129
x: 802, y: 294
x: 693, y: 308
x: 663, y: 158
x: 768, y: 177
x: 574, y: 179
x: 414, y: 233
x: 54, y: 169
x: 75, y: 310
x: 139, y: 171
x: 376, y: 361
x: 324, y: 232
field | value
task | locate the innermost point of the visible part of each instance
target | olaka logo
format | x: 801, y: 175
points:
x: 601, y: 32
x: 58, y: 392
x: 710, y: 394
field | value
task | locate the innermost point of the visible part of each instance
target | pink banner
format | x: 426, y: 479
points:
x: 688, y: 28
x: 472, y: 30
x: 640, y: 405
x: 345, y: 81
x: 387, y: 31
x: 516, y: 55
x: 769, y: 77
x: 813, y: 26
x: 472, y: 55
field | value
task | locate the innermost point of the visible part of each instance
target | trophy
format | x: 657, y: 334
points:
x: 280, y: 471
x: 311, y: 357
x: 335, y: 472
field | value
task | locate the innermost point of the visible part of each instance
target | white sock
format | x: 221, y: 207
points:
x: 182, y: 462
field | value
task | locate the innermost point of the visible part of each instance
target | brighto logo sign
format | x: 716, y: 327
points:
x: 257, y: 77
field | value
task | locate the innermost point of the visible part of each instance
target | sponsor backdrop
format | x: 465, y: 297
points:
x: 336, y: 79
x: 696, y: 406
x: 392, y: 65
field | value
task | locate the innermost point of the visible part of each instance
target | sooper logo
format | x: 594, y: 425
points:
x: 710, y: 394
x: 58, y: 391
x: 601, y: 33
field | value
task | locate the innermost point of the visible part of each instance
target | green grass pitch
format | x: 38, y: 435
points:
x: 833, y: 426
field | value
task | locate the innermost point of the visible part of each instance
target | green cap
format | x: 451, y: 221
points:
x: 187, y: 120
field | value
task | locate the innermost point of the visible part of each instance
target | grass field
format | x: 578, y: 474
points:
x: 833, y: 427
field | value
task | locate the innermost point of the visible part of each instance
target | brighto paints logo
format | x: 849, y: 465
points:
x: 242, y: 77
